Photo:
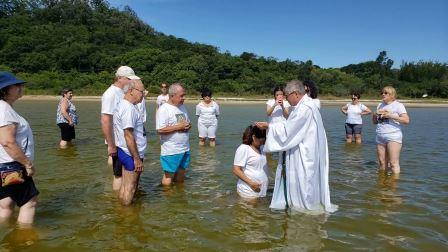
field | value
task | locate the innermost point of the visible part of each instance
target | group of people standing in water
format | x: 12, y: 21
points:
x: 294, y: 132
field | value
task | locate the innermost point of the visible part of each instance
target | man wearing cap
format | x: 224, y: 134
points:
x: 16, y: 155
x: 109, y: 101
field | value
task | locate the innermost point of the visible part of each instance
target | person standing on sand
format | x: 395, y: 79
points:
x: 173, y: 125
x: 109, y: 102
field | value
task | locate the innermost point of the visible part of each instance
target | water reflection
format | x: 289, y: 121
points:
x: 387, y: 185
x: 19, y: 237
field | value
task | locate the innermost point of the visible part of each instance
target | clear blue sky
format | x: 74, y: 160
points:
x: 331, y: 33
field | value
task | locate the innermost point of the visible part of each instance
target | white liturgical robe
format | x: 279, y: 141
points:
x: 303, y: 138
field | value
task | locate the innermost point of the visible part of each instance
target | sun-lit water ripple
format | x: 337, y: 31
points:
x: 78, y: 210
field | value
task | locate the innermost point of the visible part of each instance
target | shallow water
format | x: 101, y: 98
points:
x: 78, y: 210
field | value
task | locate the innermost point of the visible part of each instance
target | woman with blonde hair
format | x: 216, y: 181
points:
x: 389, y: 118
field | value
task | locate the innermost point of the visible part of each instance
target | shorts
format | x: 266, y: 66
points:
x: 67, y: 131
x: 19, y: 193
x: 389, y: 137
x: 351, y: 129
x: 172, y: 163
x: 126, y: 160
x: 117, y: 166
x: 207, y: 130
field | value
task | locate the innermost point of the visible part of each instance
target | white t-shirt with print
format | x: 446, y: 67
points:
x: 254, y: 167
x: 208, y: 114
x: 354, y: 113
x: 24, y: 135
x: 161, y: 99
x: 389, y: 125
x: 128, y: 116
x: 176, y: 142
x: 277, y: 113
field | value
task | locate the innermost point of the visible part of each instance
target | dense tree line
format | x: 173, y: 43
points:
x: 79, y: 43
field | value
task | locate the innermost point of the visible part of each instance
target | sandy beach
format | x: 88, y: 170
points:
x: 236, y: 100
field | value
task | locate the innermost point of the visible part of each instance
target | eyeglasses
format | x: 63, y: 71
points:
x: 162, y: 86
x: 142, y: 91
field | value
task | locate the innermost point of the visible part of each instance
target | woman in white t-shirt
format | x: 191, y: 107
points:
x: 207, y: 112
x: 353, y: 123
x: 250, y: 164
x: 16, y: 155
x: 277, y: 108
x: 389, y: 117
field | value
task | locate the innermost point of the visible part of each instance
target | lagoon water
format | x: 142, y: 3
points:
x: 78, y: 210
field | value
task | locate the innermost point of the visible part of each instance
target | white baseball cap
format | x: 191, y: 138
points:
x: 125, y: 71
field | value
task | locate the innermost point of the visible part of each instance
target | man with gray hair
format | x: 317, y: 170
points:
x: 301, y: 180
x: 173, y: 124
x: 130, y: 139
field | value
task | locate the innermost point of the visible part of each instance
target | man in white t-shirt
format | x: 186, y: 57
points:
x: 109, y: 101
x: 173, y: 124
x: 162, y: 98
x: 130, y: 140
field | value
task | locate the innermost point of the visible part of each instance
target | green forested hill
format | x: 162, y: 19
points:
x: 79, y: 43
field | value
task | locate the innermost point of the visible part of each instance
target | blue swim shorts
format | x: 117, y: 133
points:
x: 172, y: 163
x: 126, y: 160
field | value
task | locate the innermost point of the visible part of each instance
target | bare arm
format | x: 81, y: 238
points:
x: 366, y: 112
x: 107, y: 127
x: 344, y: 109
x: 132, y: 147
x: 238, y: 171
x: 285, y: 112
x: 8, y: 141
x: 270, y: 109
x: 402, y: 118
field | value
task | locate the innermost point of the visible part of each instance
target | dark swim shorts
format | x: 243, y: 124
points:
x: 67, y: 131
x: 19, y: 193
x: 116, y: 166
x: 351, y: 129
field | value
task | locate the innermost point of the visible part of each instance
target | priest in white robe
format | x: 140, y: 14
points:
x: 302, y: 137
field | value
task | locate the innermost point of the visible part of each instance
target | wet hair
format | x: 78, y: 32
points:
x: 65, y: 91
x: 276, y: 89
x: 356, y: 94
x: 312, y: 88
x: 206, y: 92
x: 250, y: 131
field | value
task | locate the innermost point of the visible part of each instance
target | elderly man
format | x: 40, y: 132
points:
x: 109, y: 101
x: 173, y: 124
x: 303, y: 185
x: 130, y: 140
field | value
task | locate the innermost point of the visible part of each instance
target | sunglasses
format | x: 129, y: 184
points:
x: 354, y: 98
x: 386, y: 93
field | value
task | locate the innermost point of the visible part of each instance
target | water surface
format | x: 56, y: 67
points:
x: 78, y: 210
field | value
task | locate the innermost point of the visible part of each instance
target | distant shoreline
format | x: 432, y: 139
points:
x: 236, y: 100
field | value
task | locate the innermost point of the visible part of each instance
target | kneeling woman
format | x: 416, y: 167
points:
x: 250, y: 164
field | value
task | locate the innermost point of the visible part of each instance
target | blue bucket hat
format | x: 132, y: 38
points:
x: 8, y: 79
